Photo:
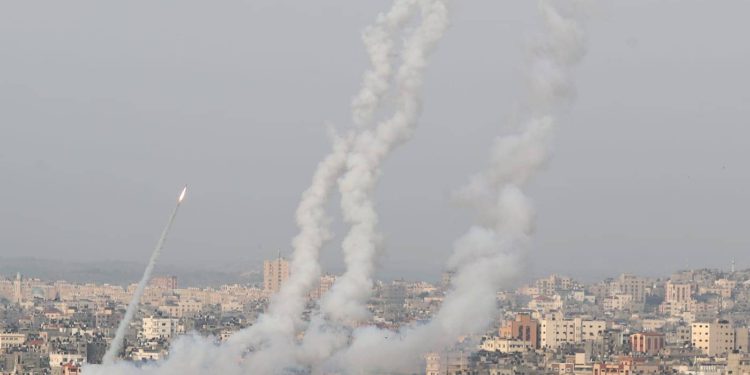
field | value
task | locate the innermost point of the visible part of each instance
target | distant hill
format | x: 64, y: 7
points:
x: 122, y: 273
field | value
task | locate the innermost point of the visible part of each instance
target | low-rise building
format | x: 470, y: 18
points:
x: 647, y: 342
x: 156, y: 328
x: 713, y: 338
x: 10, y: 340
x: 505, y: 345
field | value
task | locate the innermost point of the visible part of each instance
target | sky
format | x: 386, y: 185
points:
x: 107, y: 109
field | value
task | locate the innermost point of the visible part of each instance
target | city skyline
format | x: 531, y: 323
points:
x: 694, y: 320
x: 253, y: 273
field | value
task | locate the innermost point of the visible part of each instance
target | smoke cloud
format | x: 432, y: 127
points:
x: 272, y: 337
x: 491, y: 253
x: 368, y: 149
x: 278, y: 326
x: 489, y: 256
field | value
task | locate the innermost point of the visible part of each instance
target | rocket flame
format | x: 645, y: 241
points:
x: 182, y: 195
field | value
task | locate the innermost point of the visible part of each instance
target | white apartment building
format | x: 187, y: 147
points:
x: 147, y: 355
x: 555, y: 330
x: 503, y: 345
x: 155, y: 328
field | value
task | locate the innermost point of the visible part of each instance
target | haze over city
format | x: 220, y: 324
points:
x: 99, y: 128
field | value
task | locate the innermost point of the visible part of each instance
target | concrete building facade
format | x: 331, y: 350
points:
x: 555, y: 330
x: 524, y: 328
x: 156, y: 328
x: 713, y: 338
x: 275, y: 273
x: 647, y: 342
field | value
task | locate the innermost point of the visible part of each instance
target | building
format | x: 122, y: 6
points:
x: 181, y: 309
x: 679, y: 335
x: 159, y: 328
x: 275, y: 273
x: 713, y: 338
x: 545, y: 303
x: 325, y: 284
x: 589, y: 330
x: 555, y: 330
x: 505, y: 345
x: 446, y: 279
x: 619, y: 301
x: 647, y: 343
x: 634, y: 286
x: 434, y: 365
x: 550, y: 285
x: 10, y: 340
x: 579, y: 363
x: 522, y: 328
x: 71, y: 369
x: 17, y: 295
x: 150, y: 354
x: 627, y: 366
x: 58, y: 360
x: 742, y: 340
x: 738, y: 363
x: 394, y: 300
x: 678, y: 298
x: 678, y: 293
x: 164, y: 282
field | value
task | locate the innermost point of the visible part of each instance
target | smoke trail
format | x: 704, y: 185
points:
x: 287, y: 306
x: 285, y: 309
x: 281, y: 350
x: 117, y: 343
x: 486, y: 257
x: 379, y: 42
x: 311, y: 217
x: 348, y: 296
x: 491, y: 252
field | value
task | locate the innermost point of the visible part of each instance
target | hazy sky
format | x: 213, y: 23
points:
x: 107, y: 108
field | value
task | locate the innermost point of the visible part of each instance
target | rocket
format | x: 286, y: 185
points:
x: 117, y: 342
x: 182, y: 195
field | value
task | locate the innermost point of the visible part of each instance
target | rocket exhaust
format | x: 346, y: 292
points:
x: 117, y: 343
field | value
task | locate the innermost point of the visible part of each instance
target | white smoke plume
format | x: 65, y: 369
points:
x: 274, y: 333
x: 491, y: 252
x: 286, y: 307
x: 321, y: 339
x: 379, y: 40
x: 117, y: 343
x: 485, y: 258
x: 346, y: 302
